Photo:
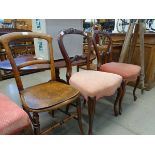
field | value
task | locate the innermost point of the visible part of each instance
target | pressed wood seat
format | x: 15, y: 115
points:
x: 44, y: 97
x: 48, y: 95
x: 92, y: 84
x: 13, y: 120
x: 129, y: 72
x: 95, y: 83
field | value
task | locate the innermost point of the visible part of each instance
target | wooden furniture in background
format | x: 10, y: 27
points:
x: 44, y: 97
x: 18, y: 48
x: 20, y: 23
x: 6, y: 66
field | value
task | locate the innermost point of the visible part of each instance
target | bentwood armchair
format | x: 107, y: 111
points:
x: 44, y: 97
x: 92, y: 84
x: 129, y: 72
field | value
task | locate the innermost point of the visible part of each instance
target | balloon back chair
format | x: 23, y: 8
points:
x: 44, y: 97
x: 129, y: 72
x: 92, y: 84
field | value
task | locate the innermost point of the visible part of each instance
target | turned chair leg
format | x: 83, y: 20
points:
x: 36, y: 124
x: 123, y: 85
x: 134, y: 90
x: 116, y: 105
x: 91, y: 111
x: 78, y: 103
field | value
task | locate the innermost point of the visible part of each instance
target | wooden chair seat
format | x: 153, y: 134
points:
x: 44, y: 97
x: 48, y: 95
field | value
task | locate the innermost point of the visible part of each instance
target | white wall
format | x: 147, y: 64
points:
x: 73, y: 43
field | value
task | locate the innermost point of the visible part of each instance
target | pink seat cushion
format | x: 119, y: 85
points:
x: 95, y: 83
x: 129, y: 72
x: 12, y: 118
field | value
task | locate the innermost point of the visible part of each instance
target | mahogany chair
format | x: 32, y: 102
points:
x: 129, y: 72
x: 92, y: 84
x: 44, y: 97
x: 13, y: 120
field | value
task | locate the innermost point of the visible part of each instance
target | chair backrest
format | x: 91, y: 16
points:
x: 8, y: 38
x: 64, y: 52
x: 105, y: 43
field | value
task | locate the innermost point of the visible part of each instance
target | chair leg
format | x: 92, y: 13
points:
x: 52, y: 113
x: 84, y: 102
x: 91, y: 112
x: 67, y: 108
x: 123, y: 85
x: 77, y: 68
x: 36, y: 124
x: 119, y: 92
x: 134, y: 90
x: 78, y: 103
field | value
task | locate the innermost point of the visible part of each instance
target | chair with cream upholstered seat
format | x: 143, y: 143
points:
x: 92, y: 84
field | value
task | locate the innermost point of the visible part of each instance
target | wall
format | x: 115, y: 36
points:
x: 72, y: 43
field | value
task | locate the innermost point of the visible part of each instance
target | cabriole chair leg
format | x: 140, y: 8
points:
x: 134, y: 90
x: 91, y: 111
x: 123, y: 85
x: 116, y: 105
x: 78, y: 103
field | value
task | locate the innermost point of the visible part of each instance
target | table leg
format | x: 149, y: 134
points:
x: 57, y: 72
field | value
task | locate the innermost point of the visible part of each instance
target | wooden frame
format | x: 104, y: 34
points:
x: 91, y: 100
x: 85, y: 59
x: 108, y: 58
x: 66, y: 100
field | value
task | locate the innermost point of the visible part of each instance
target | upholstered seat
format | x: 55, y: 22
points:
x: 12, y: 118
x: 95, y: 83
x: 129, y: 72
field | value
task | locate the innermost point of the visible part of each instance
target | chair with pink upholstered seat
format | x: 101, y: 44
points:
x: 92, y: 84
x: 129, y: 72
x: 13, y: 120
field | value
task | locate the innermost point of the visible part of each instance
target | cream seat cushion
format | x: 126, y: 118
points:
x: 95, y: 83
